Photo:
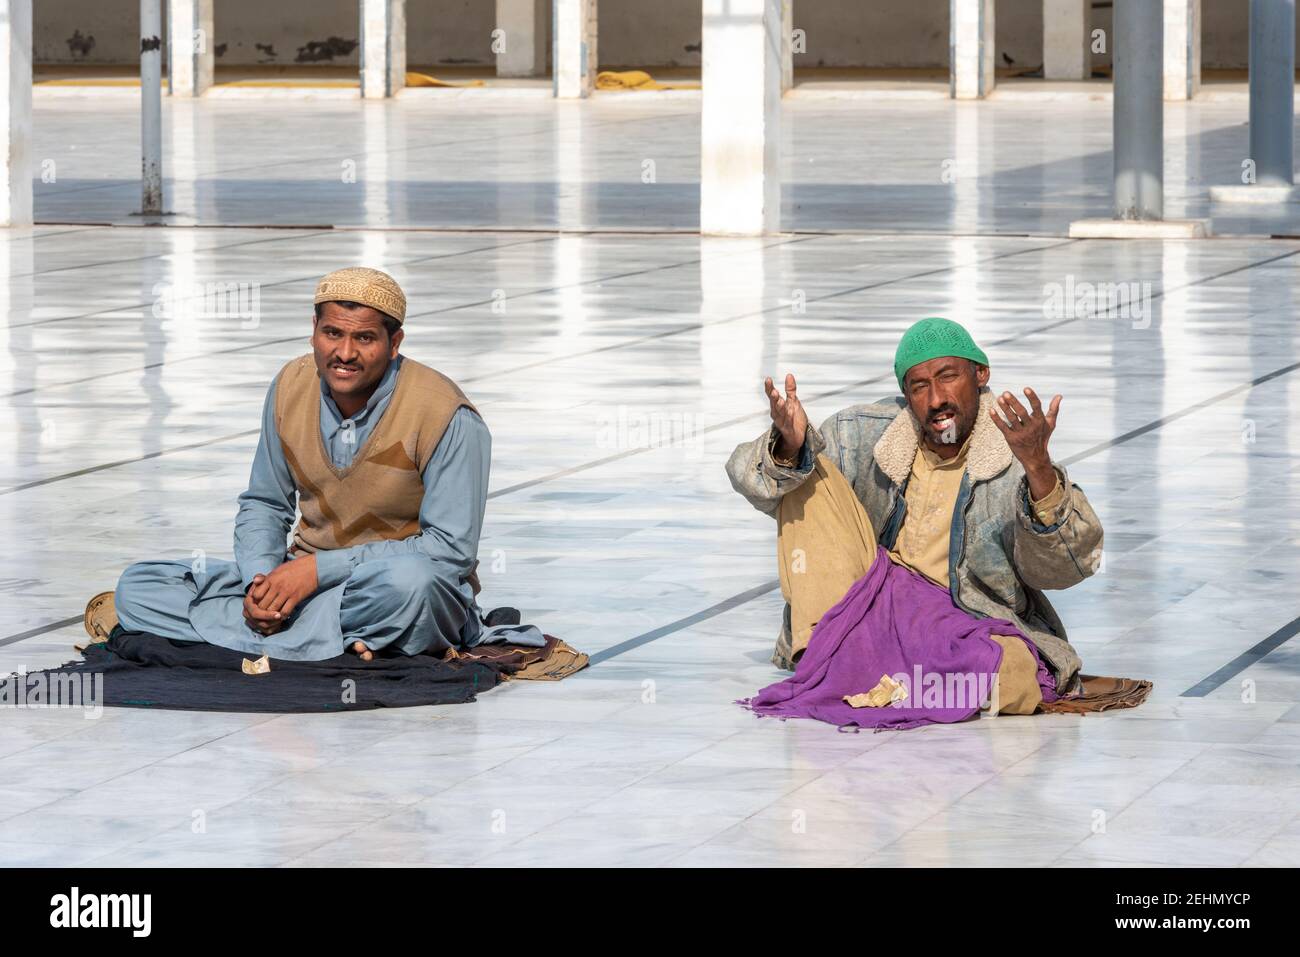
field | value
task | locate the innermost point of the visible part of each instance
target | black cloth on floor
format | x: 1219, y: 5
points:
x: 146, y: 671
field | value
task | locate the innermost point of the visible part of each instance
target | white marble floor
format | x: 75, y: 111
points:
x: 625, y: 162
x: 131, y: 435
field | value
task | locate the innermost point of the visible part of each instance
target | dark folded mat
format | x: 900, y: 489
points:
x: 145, y: 671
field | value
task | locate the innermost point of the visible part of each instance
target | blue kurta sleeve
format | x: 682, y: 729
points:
x: 451, y: 512
x: 267, y: 508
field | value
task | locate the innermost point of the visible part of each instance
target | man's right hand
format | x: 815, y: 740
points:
x: 261, y: 620
x: 788, y: 416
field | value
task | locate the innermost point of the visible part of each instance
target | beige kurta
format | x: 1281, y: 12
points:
x: 922, y: 546
x: 931, y: 496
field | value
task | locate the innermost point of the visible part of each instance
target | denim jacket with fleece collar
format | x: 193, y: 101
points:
x: 1000, y: 558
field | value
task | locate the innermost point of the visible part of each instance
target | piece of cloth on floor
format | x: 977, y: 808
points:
x: 502, y: 654
x: 146, y: 671
x: 636, y: 80
x: 424, y: 79
x: 561, y: 661
x: 556, y: 659
x: 1101, y: 694
x: 894, y: 621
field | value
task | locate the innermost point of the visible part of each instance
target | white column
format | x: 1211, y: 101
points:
x: 383, y: 47
x: 787, y: 44
x: 1182, y: 49
x: 522, y: 39
x: 970, y: 42
x: 1066, y: 53
x: 16, y: 107
x: 1137, y: 132
x: 151, y: 185
x: 740, y: 117
x: 573, y: 64
x: 189, y: 47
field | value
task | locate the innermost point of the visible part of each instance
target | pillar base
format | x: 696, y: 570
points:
x: 1140, y: 229
x: 1255, y: 194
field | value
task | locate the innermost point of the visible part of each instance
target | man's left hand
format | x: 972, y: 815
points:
x: 287, y: 586
x: 1027, y: 433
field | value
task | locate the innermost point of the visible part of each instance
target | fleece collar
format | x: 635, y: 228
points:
x: 988, y: 455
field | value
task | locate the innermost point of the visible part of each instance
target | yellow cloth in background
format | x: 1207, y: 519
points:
x: 423, y: 79
x: 294, y: 84
x: 636, y: 80
x: 412, y: 79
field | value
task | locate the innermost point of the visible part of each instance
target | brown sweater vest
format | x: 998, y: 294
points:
x: 378, y: 496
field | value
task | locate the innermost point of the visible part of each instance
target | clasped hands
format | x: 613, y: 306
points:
x: 271, y: 599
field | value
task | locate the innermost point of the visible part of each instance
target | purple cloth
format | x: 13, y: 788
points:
x: 895, y: 622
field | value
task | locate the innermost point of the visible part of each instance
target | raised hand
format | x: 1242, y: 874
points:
x: 788, y: 416
x: 1027, y: 434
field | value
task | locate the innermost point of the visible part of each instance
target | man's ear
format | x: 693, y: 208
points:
x: 981, y: 375
x: 394, y: 341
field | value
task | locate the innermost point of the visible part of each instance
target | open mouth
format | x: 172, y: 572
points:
x: 943, y: 421
x: 345, y: 372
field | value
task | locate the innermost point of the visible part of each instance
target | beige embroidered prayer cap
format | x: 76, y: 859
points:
x: 370, y: 287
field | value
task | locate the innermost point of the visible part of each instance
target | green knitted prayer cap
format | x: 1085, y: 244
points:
x: 932, y: 338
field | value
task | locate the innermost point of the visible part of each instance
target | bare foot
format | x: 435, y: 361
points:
x: 364, y: 653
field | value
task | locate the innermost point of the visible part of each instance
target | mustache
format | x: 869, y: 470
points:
x: 945, y: 410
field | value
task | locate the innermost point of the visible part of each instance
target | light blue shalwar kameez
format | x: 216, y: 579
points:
x: 409, y: 595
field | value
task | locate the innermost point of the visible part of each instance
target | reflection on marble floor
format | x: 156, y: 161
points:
x: 130, y: 436
x: 626, y: 162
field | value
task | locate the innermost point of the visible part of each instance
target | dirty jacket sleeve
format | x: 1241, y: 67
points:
x: 756, y: 475
x: 1063, y: 553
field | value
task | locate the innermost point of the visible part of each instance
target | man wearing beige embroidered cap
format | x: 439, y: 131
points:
x: 387, y: 462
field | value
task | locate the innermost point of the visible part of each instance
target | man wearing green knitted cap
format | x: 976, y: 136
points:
x: 953, y: 487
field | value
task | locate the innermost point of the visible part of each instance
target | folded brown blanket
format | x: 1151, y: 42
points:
x: 556, y: 660
x: 1101, y: 694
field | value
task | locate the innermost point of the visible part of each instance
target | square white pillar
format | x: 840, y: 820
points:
x: 189, y: 47
x: 521, y: 38
x: 787, y: 44
x: 740, y: 117
x: 970, y: 49
x: 1182, y: 49
x: 16, y: 113
x: 383, y: 48
x: 573, y: 63
x: 1066, y: 53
